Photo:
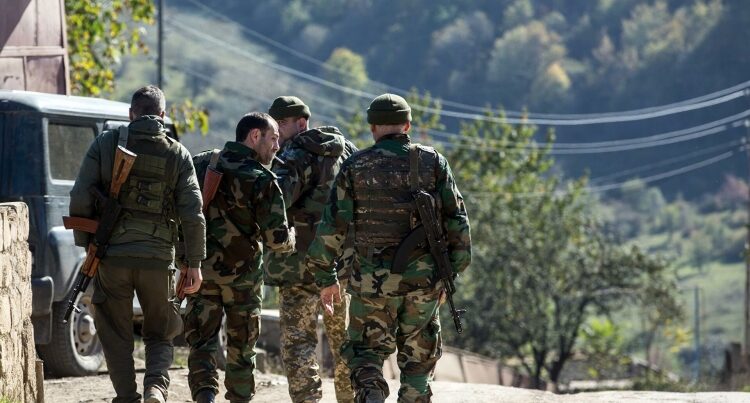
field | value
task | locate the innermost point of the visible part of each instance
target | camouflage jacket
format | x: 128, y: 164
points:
x: 246, y: 212
x: 96, y: 169
x: 307, y: 166
x: 373, y: 277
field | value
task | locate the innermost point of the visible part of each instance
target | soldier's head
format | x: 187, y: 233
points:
x: 291, y: 114
x: 388, y: 114
x: 260, y: 132
x: 148, y: 100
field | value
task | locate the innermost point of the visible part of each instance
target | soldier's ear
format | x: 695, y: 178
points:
x: 255, y: 135
x: 407, y: 127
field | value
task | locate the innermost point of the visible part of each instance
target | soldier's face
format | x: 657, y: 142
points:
x: 267, y: 145
x: 289, y: 127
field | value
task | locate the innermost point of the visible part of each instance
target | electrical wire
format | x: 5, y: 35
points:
x: 707, y: 100
x: 454, y: 114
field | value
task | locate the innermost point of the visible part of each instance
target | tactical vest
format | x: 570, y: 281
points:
x: 147, y: 197
x: 307, y: 209
x: 384, y: 210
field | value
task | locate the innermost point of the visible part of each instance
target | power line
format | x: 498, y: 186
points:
x: 248, y: 94
x: 572, y: 148
x: 454, y: 114
x: 617, y: 185
x: 666, y: 162
x: 711, y: 99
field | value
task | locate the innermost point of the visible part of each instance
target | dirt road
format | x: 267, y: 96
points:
x: 273, y: 389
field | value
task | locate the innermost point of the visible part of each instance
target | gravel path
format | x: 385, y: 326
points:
x: 273, y: 388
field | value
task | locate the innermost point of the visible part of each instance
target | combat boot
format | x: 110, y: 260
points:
x: 153, y: 394
x: 205, y: 396
x: 369, y: 396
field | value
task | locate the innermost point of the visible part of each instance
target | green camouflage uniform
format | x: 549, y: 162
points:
x: 309, y: 163
x: 246, y: 212
x: 160, y: 191
x: 390, y: 311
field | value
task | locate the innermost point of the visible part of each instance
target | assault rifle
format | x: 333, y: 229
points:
x: 438, y: 249
x: 101, y: 229
x: 211, y: 181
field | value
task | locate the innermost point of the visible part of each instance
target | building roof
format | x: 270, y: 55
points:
x: 67, y: 105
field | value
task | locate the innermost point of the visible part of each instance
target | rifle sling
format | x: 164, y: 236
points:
x: 417, y: 239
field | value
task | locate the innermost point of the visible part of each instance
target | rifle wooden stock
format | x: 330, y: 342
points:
x: 211, y: 182
x: 124, y: 160
x: 81, y: 224
x: 182, y: 282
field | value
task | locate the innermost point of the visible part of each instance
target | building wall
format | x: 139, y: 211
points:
x: 33, y: 53
x: 17, y: 354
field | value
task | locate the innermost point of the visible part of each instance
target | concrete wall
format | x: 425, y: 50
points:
x: 17, y: 354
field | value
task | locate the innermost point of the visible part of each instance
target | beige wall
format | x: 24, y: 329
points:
x: 17, y: 354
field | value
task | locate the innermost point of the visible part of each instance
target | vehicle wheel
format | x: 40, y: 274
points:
x: 221, y: 353
x: 75, y: 349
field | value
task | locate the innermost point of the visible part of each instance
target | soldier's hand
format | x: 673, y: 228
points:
x: 329, y: 296
x: 193, y: 280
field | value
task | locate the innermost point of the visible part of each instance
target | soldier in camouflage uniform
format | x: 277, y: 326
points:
x: 308, y: 163
x: 160, y: 191
x: 246, y: 213
x: 390, y: 309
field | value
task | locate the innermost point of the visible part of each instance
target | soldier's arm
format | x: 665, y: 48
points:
x: 331, y: 233
x: 188, y: 205
x: 81, y: 200
x: 270, y: 215
x: 291, y: 176
x: 455, y: 218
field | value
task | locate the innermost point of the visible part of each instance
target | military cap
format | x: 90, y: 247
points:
x: 388, y: 109
x: 288, y: 107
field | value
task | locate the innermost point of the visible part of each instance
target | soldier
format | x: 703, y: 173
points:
x: 309, y: 162
x: 161, y: 191
x: 246, y: 213
x: 390, y: 309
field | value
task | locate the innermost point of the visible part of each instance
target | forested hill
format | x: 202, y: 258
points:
x: 548, y: 56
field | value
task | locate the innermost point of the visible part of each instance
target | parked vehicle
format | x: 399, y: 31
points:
x: 43, y: 138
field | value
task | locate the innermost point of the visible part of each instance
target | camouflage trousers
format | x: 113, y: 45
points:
x: 239, y: 297
x: 381, y: 326
x: 114, y: 285
x: 299, y: 307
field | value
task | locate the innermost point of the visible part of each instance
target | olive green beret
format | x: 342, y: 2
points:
x: 388, y: 109
x: 288, y: 107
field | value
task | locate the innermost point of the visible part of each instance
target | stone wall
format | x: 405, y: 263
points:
x: 17, y: 355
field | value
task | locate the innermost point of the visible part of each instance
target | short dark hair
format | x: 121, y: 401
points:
x: 253, y: 120
x: 148, y: 100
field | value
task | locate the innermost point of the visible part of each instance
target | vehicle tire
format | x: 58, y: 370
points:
x: 221, y: 353
x: 75, y: 349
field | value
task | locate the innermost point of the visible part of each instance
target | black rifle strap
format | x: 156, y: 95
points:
x: 414, y: 167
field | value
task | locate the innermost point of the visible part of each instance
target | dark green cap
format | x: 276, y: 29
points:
x: 288, y: 107
x: 388, y: 109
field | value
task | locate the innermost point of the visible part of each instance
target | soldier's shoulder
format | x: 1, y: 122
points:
x: 202, y: 157
x: 359, y: 154
x: 109, y: 136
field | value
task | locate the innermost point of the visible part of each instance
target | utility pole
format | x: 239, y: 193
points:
x: 697, y: 313
x: 160, y: 66
x: 746, y: 344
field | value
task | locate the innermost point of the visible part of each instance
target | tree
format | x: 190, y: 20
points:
x: 99, y: 35
x: 541, y: 265
x: 347, y: 68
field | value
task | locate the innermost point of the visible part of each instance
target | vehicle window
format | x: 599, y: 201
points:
x: 67, y: 146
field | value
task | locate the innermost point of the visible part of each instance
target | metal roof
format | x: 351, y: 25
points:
x: 67, y: 105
